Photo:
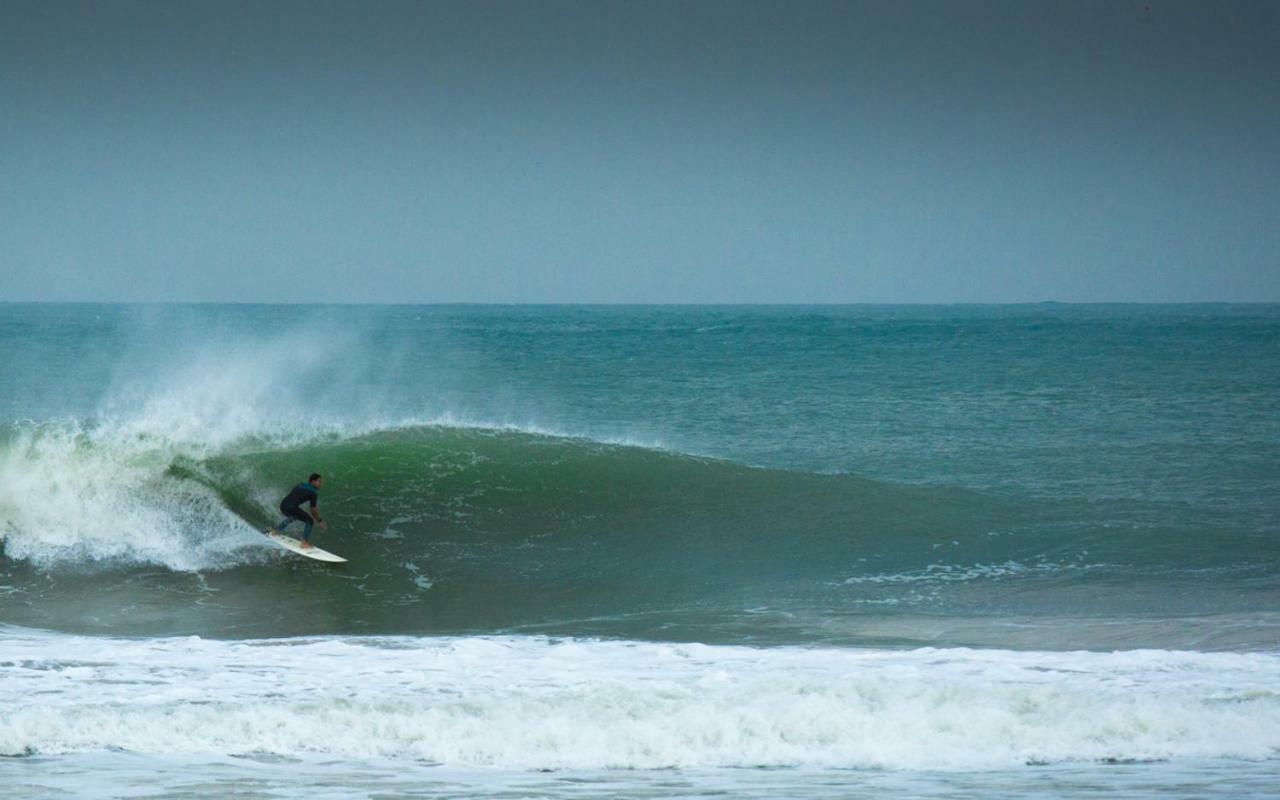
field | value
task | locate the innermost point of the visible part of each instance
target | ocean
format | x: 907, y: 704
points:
x: 638, y: 552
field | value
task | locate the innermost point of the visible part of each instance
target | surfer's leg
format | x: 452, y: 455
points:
x: 306, y: 520
x: 298, y: 514
x: 288, y: 518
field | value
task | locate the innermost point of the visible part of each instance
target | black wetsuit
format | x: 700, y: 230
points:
x: 291, y: 507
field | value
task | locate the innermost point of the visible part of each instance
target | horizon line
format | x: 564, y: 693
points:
x: 676, y: 304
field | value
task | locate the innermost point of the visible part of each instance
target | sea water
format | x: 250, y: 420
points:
x: 638, y: 552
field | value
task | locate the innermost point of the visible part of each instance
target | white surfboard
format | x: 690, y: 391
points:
x: 291, y: 544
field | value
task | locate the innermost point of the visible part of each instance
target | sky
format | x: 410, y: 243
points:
x: 639, y: 152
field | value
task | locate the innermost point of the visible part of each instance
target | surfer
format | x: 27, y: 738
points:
x: 291, y: 507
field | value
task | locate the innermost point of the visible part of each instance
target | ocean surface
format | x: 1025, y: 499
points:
x: 641, y: 552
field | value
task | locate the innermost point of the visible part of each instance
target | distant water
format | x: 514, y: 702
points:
x: 660, y: 551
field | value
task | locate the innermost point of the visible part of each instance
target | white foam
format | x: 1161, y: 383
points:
x: 531, y: 703
x: 93, y: 490
x: 955, y: 573
x: 70, y: 491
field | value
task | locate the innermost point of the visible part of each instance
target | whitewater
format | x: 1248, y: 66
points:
x: 814, y: 552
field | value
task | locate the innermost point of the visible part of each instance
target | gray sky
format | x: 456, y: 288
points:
x: 640, y: 152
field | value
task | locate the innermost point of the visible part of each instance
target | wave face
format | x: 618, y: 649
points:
x: 532, y: 703
x: 1035, y: 478
x: 452, y: 529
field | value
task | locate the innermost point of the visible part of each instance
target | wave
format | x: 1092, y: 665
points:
x: 534, y: 703
x: 76, y: 491
x: 461, y: 527
x: 181, y: 493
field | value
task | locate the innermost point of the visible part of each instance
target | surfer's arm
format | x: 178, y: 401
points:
x: 315, y: 512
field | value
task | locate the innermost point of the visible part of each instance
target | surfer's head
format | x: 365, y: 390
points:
x: 316, y: 480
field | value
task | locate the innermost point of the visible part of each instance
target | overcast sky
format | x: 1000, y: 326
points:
x: 640, y: 151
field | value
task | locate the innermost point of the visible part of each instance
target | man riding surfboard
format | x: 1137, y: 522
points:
x: 291, y: 507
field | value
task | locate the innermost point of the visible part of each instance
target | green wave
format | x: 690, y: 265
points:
x: 461, y: 530
x: 539, y: 505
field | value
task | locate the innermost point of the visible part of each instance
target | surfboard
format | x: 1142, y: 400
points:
x: 295, y: 546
